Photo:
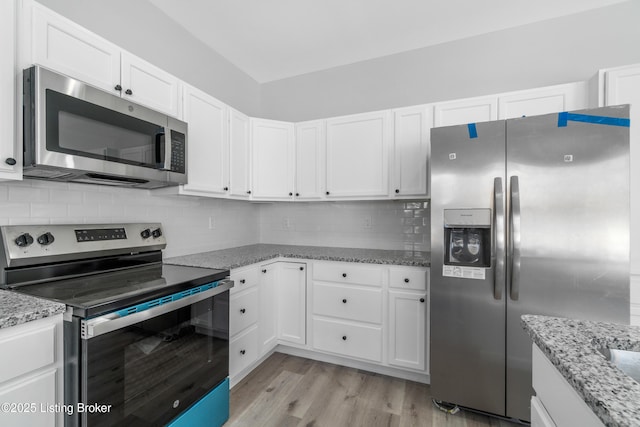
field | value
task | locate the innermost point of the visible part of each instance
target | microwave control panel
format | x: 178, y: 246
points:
x: 178, y: 152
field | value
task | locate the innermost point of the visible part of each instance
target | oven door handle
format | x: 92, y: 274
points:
x: 113, y: 321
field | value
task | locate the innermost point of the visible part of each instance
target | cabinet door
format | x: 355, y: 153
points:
x: 10, y: 160
x: 544, y: 100
x: 292, y: 296
x: 272, y: 146
x: 208, y: 146
x: 465, y: 111
x: 412, y: 127
x: 310, y: 160
x: 267, y: 333
x: 64, y: 46
x: 148, y: 85
x: 407, y: 329
x: 623, y: 87
x: 34, y: 392
x: 358, y: 155
x: 239, y: 155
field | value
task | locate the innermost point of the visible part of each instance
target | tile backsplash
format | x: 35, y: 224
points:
x: 200, y: 224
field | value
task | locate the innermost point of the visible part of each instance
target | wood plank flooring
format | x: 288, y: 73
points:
x: 288, y: 391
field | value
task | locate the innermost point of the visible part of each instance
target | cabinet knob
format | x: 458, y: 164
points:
x: 128, y: 92
x: 406, y: 280
x: 243, y: 310
x: 249, y: 192
x: 243, y: 281
x: 344, y: 338
x: 10, y: 161
x: 344, y: 275
x: 344, y: 300
x: 421, y: 299
x: 327, y: 193
x: 297, y: 194
x: 264, y: 271
x: 301, y: 268
x: 226, y: 188
x: 243, y: 351
x: 118, y: 88
x: 291, y: 194
x: 397, y: 191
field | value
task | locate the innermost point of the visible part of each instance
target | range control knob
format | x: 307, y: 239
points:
x: 46, y: 239
x: 156, y: 233
x: 24, y: 240
x: 145, y: 234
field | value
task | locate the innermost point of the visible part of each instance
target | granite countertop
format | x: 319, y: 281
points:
x: 251, y: 254
x: 18, y: 308
x: 571, y: 345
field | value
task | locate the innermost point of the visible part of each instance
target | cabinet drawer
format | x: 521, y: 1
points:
x: 347, y: 302
x: 343, y: 272
x: 244, y: 279
x: 243, y: 351
x: 363, y: 342
x: 30, y: 349
x: 408, y: 278
x: 38, y: 390
x: 243, y: 310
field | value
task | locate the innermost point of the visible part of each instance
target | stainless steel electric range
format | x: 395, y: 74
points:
x: 148, y: 340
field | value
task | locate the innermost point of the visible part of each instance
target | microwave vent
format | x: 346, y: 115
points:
x: 47, y: 173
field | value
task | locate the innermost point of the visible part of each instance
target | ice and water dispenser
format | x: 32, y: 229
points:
x: 467, y: 235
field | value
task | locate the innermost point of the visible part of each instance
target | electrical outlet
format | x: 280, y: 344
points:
x: 367, y: 222
x: 212, y: 223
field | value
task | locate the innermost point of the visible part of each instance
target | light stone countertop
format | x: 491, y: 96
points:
x: 571, y: 346
x: 17, y: 308
x: 246, y: 255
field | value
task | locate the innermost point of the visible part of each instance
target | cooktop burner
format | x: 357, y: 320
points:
x: 105, y: 292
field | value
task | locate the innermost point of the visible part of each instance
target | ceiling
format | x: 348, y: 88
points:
x: 276, y: 39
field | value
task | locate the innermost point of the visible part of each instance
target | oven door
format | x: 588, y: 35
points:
x: 146, y: 368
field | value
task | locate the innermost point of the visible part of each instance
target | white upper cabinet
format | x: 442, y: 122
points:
x: 310, y: 160
x: 412, y: 127
x: 622, y: 86
x: 272, y: 146
x: 62, y: 45
x: 10, y: 154
x: 208, y: 150
x: 463, y: 111
x: 552, y: 99
x: 358, y: 155
x: 239, y: 145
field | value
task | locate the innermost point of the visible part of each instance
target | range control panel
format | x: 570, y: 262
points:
x: 28, y: 244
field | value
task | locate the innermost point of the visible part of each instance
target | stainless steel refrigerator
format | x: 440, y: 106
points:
x: 528, y: 216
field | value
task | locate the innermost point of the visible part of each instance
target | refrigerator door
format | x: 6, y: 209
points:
x: 568, y: 190
x: 467, y: 314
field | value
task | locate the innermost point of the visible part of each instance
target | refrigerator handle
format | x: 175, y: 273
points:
x: 514, y: 225
x: 498, y: 238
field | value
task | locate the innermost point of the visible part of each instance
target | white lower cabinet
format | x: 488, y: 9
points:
x: 291, y: 295
x: 348, y: 339
x: 243, y: 320
x: 407, y: 329
x: 267, y: 321
x: 243, y: 350
x: 31, y: 373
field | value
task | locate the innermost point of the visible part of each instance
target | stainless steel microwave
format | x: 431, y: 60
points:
x: 75, y: 132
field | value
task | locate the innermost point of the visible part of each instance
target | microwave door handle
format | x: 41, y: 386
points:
x: 163, y: 146
x: 498, y: 238
x: 514, y: 225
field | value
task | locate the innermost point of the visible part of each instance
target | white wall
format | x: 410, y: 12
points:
x: 147, y: 32
x: 185, y: 219
x: 562, y: 50
x: 401, y: 225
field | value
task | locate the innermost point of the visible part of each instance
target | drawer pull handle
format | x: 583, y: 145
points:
x: 243, y: 310
x: 344, y: 338
x: 421, y: 299
x: 406, y: 280
x: 243, y: 351
x: 264, y: 271
x: 344, y: 275
x: 344, y: 300
x: 243, y: 281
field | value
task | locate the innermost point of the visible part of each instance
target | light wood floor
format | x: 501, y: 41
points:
x: 287, y: 391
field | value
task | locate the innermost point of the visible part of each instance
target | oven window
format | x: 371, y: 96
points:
x: 152, y: 371
x: 84, y: 129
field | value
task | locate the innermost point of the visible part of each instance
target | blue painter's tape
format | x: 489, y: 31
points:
x: 473, y: 132
x: 564, y: 117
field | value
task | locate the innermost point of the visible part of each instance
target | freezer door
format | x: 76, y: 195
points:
x: 568, y: 189
x: 467, y: 314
